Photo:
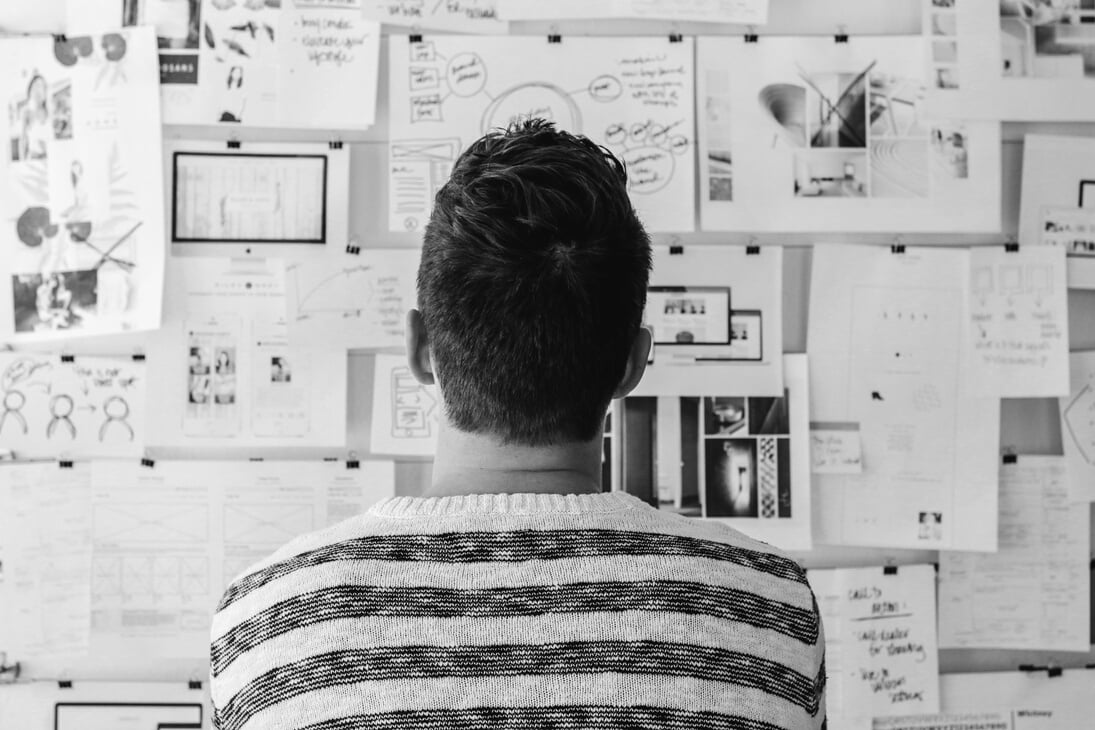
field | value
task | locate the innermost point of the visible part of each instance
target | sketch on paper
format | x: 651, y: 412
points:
x: 270, y: 523
x: 84, y: 209
x: 634, y: 99
x: 51, y: 406
x: 359, y: 300
x: 412, y: 407
x: 406, y: 414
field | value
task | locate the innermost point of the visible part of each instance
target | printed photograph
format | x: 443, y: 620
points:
x: 723, y: 416
x: 949, y: 149
x: 29, y: 120
x: 1047, y: 38
x: 57, y: 301
x: 177, y: 22
x: 944, y: 24
x: 931, y: 526
x: 746, y: 342
x: 730, y: 488
x: 945, y: 77
x: 61, y: 110
x: 768, y: 416
x: 279, y: 370
x: 224, y: 375
x: 836, y: 109
x: 831, y: 173
x: 199, y: 382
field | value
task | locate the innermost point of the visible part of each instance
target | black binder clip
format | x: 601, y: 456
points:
x: 1011, y: 247
x: 68, y: 358
x: 353, y: 464
x: 1011, y: 459
x: 60, y: 38
x: 555, y: 38
x: 889, y: 570
x: 675, y: 37
x: 11, y: 669
x: 64, y: 683
x: 414, y: 38
x: 752, y: 250
x: 751, y: 35
x: 353, y: 248
x: 194, y: 684
x: 233, y: 144
x: 64, y: 464
x: 138, y: 357
x: 676, y: 249
x: 148, y: 463
x: 841, y: 36
x: 897, y: 248
x: 334, y: 144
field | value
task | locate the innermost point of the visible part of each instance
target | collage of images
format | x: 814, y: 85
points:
x: 944, y: 52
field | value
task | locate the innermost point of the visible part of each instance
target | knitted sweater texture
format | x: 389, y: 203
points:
x: 519, y: 611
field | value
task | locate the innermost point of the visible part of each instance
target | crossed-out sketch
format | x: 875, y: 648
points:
x: 636, y: 103
x: 141, y: 522
x: 267, y: 524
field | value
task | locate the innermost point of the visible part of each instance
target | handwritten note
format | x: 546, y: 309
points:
x: 1078, y: 427
x: 463, y: 16
x: 713, y: 11
x: 1033, y: 593
x: 1019, y: 322
x: 357, y: 300
x: 835, y: 448
x: 880, y: 642
x: 329, y: 45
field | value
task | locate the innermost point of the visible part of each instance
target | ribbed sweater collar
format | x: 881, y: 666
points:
x: 522, y: 503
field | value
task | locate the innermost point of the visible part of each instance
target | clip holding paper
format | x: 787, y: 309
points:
x: 1051, y: 671
x: 889, y: 570
x: 352, y: 247
x: 897, y: 246
x: 1011, y: 247
x: 64, y: 684
x: 676, y: 249
x: 753, y: 248
x: 233, y: 144
x: 64, y: 464
x: 1010, y: 458
x: 148, y: 463
x: 334, y: 144
x: 675, y: 37
x: 138, y: 357
x: 13, y: 669
x: 194, y: 684
x: 751, y: 35
x: 60, y: 38
x: 68, y: 358
x: 555, y: 38
x: 414, y: 38
x: 353, y: 464
x: 841, y: 35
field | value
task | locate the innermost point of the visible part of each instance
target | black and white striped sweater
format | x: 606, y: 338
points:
x: 519, y: 611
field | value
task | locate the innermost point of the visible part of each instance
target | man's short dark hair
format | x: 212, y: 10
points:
x: 532, y: 284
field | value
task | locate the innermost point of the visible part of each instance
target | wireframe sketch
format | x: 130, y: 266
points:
x: 447, y: 91
x: 1047, y: 38
x: 81, y: 259
x: 51, y: 406
x: 412, y: 407
x: 266, y: 524
x: 150, y: 522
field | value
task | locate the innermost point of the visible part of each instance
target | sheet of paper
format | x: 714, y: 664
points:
x: 256, y: 64
x: 1017, y: 60
x: 1078, y: 427
x: 1007, y: 701
x: 835, y: 448
x: 1058, y: 201
x: 633, y: 95
x: 699, y: 345
x: 227, y: 372
x: 753, y: 12
x: 1019, y: 311
x: 93, y: 705
x: 81, y: 199
x: 356, y: 299
x: 804, y: 134
x: 45, y: 597
x: 1034, y: 593
x: 405, y: 412
x: 168, y: 539
x: 887, y: 343
x: 77, y: 407
x: 881, y: 655
x: 459, y: 16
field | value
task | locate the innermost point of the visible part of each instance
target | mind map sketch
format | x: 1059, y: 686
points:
x: 55, y: 406
x: 635, y: 96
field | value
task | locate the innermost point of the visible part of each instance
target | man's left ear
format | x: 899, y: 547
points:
x: 636, y: 363
x: 418, y: 348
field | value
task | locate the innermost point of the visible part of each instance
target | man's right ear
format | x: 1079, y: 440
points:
x: 418, y: 348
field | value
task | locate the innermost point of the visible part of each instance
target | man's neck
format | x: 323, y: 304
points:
x: 469, y: 463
